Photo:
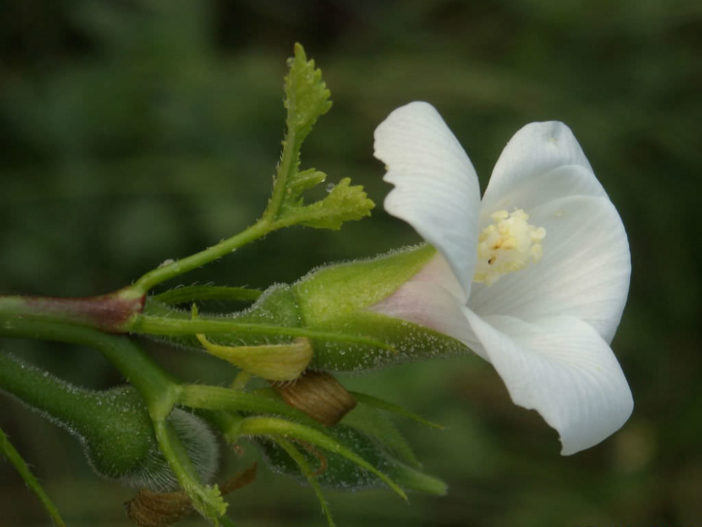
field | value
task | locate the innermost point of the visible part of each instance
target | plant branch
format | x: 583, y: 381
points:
x: 15, y: 459
x: 170, y: 270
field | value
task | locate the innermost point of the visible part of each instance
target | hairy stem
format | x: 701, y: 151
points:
x: 178, y: 267
x: 173, y: 326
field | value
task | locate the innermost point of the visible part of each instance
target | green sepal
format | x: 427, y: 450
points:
x: 409, y: 341
x: 333, y: 291
x: 277, y: 306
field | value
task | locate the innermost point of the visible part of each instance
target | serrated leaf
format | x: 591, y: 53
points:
x: 306, y: 99
x: 306, y: 95
x: 344, y: 203
x: 208, y: 501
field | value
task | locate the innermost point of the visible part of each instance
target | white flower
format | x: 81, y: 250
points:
x: 533, y: 278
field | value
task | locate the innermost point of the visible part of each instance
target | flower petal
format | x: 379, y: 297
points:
x: 537, y: 149
x: 432, y: 298
x: 584, y: 271
x: 430, y: 306
x: 529, y: 193
x: 436, y: 188
x: 561, y: 368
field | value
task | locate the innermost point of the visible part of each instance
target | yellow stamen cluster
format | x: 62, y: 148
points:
x: 507, y: 245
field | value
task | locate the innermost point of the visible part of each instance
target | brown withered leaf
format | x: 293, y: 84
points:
x: 319, y: 395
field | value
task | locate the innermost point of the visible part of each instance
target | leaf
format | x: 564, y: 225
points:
x: 328, y: 439
x: 339, y: 471
x: 344, y: 203
x: 374, y: 424
x: 394, y: 408
x: 306, y: 95
x: 306, y: 99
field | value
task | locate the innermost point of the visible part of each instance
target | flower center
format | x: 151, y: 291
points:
x: 507, y: 245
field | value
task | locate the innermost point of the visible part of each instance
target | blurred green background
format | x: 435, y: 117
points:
x: 137, y: 130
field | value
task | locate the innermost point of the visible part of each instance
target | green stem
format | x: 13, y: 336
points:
x: 206, y: 500
x: 159, y: 391
x: 307, y: 471
x: 111, y: 312
x: 172, y: 326
x: 205, y: 397
x: 10, y: 452
x: 178, y: 267
x: 288, y: 165
x: 78, y: 409
x: 157, y: 388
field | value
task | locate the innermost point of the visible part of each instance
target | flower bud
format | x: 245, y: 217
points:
x: 113, y: 425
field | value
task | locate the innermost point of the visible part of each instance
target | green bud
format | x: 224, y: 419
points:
x: 113, y: 425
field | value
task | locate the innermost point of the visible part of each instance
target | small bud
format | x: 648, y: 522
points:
x: 319, y: 395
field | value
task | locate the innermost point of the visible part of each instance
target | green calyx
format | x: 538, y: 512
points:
x: 332, y: 292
